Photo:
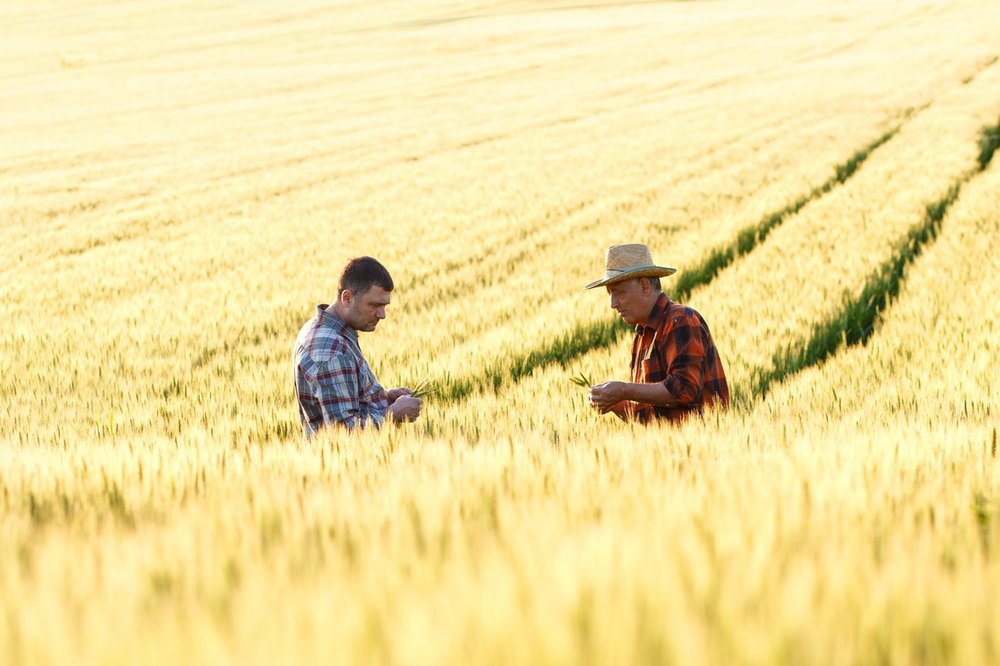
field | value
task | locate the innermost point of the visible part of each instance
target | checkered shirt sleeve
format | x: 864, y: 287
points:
x: 682, y: 355
x: 336, y: 386
x: 333, y: 381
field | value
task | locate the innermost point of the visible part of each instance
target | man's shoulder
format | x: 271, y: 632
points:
x: 319, y: 342
x: 678, y: 314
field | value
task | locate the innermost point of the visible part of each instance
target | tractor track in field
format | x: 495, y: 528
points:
x: 854, y: 323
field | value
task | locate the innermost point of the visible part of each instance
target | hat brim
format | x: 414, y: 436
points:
x: 632, y: 273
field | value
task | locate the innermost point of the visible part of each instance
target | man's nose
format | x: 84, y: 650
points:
x: 614, y: 303
x: 380, y: 313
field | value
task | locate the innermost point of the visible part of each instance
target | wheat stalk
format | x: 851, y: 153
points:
x: 426, y: 388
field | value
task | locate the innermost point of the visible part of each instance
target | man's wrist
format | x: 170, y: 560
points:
x: 630, y: 392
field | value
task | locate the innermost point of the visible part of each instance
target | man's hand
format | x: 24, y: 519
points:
x: 604, y: 397
x: 405, y: 408
x: 393, y: 394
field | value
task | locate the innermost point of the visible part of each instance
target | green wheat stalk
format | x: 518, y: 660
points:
x: 425, y: 388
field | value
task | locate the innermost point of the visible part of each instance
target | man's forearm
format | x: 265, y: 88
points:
x: 615, y: 396
x: 650, y: 394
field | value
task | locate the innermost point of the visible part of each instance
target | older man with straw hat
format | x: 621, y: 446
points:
x: 676, y: 370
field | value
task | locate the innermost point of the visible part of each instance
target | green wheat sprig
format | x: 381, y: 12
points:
x: 426, y: 388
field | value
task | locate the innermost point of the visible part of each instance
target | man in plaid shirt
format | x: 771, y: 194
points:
x: 676, y: 370
x: 333, y: 381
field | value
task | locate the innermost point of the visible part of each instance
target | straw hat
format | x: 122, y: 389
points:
x: 625, y: 262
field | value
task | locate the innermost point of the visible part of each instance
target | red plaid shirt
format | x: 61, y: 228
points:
x: 676, y: 348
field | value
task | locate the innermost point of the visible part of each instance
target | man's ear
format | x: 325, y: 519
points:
x: 346, y: 297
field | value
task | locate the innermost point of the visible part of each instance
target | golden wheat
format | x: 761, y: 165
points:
x: 182, y: 182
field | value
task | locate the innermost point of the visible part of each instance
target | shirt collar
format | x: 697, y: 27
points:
x: 330, y: 319
x: 657, y: 314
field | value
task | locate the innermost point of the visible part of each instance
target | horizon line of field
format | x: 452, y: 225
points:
x: 852, y: 324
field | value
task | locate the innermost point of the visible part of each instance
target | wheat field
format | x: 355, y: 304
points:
x: 181, y: 183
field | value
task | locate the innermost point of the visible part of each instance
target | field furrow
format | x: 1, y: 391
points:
x: 855, y: 322
x: 826, y: 250
x: 944, y: 374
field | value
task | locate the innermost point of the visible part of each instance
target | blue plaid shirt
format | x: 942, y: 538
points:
x: 333, y: 381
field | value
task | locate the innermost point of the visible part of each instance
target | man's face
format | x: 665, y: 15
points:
x: 631, y: 299
x: 364, y: 312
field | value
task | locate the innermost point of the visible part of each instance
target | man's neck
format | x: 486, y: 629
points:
x: 652, y: 306
x: 337, y: 311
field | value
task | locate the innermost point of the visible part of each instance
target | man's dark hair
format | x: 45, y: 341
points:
x: 361, y: 274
